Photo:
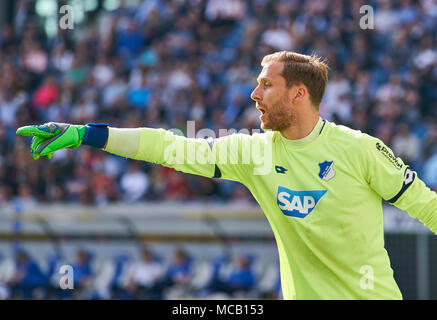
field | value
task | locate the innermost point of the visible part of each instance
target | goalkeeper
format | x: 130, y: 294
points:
x: 319, y: 184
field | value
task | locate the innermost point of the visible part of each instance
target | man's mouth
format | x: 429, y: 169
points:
x: 263, y: 113
x: 261, y: 109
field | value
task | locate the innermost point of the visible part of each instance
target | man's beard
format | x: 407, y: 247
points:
x: 279, y: 117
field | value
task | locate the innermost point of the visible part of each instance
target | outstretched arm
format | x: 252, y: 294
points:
x: 235, y: 157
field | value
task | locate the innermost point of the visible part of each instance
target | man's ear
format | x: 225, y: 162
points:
x: 298, y: 93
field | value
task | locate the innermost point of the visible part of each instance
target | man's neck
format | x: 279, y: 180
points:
x: 303, y: 127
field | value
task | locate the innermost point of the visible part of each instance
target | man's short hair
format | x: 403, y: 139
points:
x: 309, y: 70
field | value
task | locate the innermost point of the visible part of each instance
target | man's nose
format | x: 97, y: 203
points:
x: 256, y: 94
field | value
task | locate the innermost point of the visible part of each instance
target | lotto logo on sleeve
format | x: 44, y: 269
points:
x: 298, y: 204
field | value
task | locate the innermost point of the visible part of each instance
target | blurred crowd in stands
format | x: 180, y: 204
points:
x: 162, y: 63
x: 148, y: 276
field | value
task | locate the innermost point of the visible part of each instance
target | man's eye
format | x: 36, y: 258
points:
x: 267, y: 84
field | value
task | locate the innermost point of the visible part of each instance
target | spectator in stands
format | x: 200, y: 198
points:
x: 179, y: 273
x: 83, y: 274
x: 145, y: 277
x: 46, y: 94
x: 239, y: 278
x: 176, y: 185
x: 117, y: 283
x: 25, y: 197
x: 27, y: 277
x: 134, y: 183
x: 405, y: 144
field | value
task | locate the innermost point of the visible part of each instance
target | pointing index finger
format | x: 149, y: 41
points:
x: 36, y: 131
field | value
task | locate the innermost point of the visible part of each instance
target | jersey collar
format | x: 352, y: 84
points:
x: 309, y: 138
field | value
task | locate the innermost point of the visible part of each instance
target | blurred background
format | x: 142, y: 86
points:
x: 133, y: 230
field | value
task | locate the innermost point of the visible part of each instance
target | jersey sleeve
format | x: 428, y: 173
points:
x: 396, y: 183
x: 235, y: 157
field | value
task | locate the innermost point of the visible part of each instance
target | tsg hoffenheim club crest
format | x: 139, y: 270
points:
x: 327, y: 171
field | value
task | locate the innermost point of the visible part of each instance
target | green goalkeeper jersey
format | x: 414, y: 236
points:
x: 322, y: 196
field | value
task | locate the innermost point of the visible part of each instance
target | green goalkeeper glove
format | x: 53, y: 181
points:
x: 53, y: 136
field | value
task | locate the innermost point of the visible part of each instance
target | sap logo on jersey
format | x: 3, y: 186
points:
x: 298, y: 204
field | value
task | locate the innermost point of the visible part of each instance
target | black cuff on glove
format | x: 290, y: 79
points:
x: 96, y: 135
